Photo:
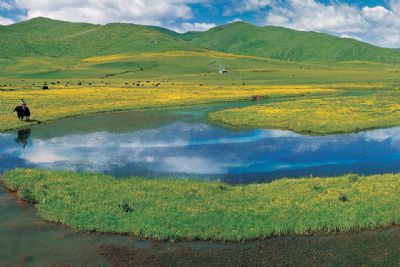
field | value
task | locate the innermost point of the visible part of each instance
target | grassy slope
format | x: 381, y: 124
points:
x: 184, y: 209
x: 49, y: 49
x: 285, y: 44
x: 186, y: 71
x: 135, y: 53
x: 193, y: 66
x: 45, y: 37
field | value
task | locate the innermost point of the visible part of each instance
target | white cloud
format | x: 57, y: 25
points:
x: 6, y: 5
x: 312, y: 15
x: 153, y: 12
x: 376, y: 25
x: 188, y: 27
x: 375, y: 14
x: 246, y: 6
x: 6, y: 21
x: 235, y: 20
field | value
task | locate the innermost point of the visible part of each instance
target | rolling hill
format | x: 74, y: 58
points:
x: 286, y: 44
x: 46, y: 37
x: 52, y: 38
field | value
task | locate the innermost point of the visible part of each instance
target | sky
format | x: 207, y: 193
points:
x: 372, y: 21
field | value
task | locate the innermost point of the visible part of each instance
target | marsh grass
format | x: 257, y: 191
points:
x: 62, y: 102
x: 109, y: 83
x: 323, y: 115
x: 186, y: 209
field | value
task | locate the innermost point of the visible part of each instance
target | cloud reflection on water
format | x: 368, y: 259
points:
x: 196, y: 148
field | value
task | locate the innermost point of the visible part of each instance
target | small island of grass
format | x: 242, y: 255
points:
x: 187, y: 209
x: 325, y: 115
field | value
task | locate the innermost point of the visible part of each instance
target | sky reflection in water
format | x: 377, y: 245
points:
x: 189, y: 149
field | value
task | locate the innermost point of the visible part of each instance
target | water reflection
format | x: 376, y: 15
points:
x: 23, y: 136
x: 198, y: 150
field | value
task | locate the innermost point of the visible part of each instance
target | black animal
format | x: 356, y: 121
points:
x: 23, y: 112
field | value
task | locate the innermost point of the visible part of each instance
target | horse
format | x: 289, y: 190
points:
x: 22, y: 112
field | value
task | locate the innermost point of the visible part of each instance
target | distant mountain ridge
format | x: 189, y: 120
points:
x: 286, y: 44
x: 53, y: 38
x: 46, y: 37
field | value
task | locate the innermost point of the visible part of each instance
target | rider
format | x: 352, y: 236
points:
x: 22, y: 103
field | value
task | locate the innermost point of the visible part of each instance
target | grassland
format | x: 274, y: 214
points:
x: 185, y: 209
x: 121, y: 55
x: 313, y: 83
x: 322, y: 115
x: 45, y: 37
x: 286, y: 44
x: 61, y: 102
x: 176, y: 78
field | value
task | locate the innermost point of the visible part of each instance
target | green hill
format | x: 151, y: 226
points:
x: 46, y: 37
x: 285, y: 44
x: 52, y: 38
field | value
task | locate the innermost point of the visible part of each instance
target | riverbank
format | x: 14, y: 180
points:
x: 63, y: 102
x: 325, y: 115
x: 186, y: 209
x: 40, y: 243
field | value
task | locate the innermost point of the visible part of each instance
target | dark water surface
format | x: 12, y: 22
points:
x: 181, y: 143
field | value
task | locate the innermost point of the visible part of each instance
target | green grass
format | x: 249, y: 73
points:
x: 46, y: 37
x: 52, y: 38
x: 45, y: 49
x: 286, y: 44
x: 198, y: 67
x: 365, y: 78
x: 187, y: 209
x: 67, y: 101
x: 194, y: 73
x: 320, y: 115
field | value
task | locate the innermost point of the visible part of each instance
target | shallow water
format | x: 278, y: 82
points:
x: 25, y: 240
x: 181, y: 143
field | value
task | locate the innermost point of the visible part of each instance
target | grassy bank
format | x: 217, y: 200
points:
x: 183, y: 209
x: 63, y: 101
x: 320, y: 115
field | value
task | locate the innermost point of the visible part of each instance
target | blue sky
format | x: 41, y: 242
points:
x: 373, y: 21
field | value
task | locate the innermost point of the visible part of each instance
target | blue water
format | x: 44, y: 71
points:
x: 181, y: 145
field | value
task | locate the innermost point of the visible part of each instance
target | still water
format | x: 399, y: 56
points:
x: 181, y: 143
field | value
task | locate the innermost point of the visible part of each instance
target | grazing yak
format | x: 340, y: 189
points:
x: 258, y: 98
x: 22, y: 112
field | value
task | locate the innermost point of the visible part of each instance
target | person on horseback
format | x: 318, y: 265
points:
x: 22, y: 104
x: 22, y: 110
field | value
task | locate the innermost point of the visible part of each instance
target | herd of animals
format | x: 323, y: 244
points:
x: 23, y: 112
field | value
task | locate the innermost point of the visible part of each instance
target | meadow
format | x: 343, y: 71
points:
x: 322, y: 115
x: 186, y: 209
x: 178, y: 78
x: 308, y: 97
x: 61, y: 101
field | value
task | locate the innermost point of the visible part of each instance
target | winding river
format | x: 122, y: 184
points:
x: 182, y: 143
